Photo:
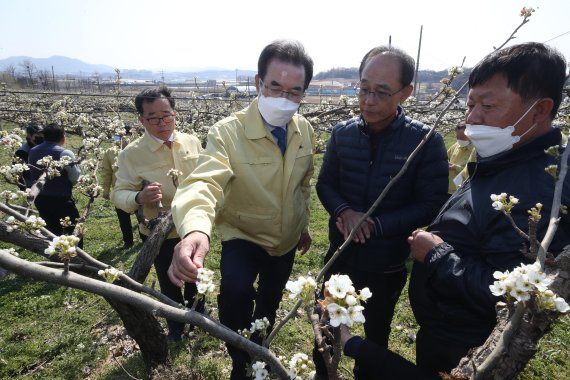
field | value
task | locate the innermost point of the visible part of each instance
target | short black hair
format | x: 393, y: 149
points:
x: 149, y: 95
x: 288, y: 51
x: 53, y: 133
x: 532, y: 70
x: 33, y: 128
x: 407, y: 63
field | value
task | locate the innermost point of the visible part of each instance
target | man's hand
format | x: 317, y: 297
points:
x: 452, y: 166
x: 421, y: 242
x: 188, y: 257
x: 345, y: 335
x: 151, y: 193
x: 348, y: 219
x: 304, y: 242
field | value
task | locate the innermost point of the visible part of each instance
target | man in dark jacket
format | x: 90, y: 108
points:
x: 55, y: 201
x: 514, y: 96
x: 362, y: 156
x: 34, y: 137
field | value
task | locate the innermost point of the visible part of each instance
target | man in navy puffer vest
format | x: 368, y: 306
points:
x: 362, y: 156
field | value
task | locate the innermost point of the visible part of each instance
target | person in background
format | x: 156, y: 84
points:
x: 514, y: 94
x: 363, y: 154
x: 109, y: 169
x: 34, y: 137
x: 459, y: 154
x: 55, y: 201
x: 142, y: 180
x: 253, y: 182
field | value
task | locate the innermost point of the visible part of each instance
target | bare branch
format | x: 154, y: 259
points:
x: 120, y: 294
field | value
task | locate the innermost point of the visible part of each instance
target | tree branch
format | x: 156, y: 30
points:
x: 117, y: 293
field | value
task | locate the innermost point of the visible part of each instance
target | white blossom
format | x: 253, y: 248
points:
x: 205, y: 281
x: 525, y: 282
x: 365, y: 294
x: 355, y: 314
x: 338, y: 315
x: 304, y: 287
x: 561, y: 304
x: 258, y: 371
x: 300, y: 367
x: 64, y: 246
x: 498, y: 205
x: 110, y: 274
x: 339, y: 285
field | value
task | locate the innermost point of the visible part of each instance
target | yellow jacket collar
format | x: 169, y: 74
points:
x: 153, y: 143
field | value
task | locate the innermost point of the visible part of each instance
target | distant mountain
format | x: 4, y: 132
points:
x: 65, y: 65
x: 189, y: 75
x: 61, y: 65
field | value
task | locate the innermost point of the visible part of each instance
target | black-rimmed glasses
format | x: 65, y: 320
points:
x: 364, y: 92
x: 277, y: 91
x: 156, y: 120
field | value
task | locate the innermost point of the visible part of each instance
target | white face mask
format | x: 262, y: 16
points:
x: 276, y: 111
x: 489, y: 141
x: 463, y: 143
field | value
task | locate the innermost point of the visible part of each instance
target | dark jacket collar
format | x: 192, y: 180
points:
x: 398, y: 121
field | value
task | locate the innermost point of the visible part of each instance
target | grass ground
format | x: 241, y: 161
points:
x: 51, y: 332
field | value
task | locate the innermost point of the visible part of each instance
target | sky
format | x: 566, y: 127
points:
x: 182, y: 34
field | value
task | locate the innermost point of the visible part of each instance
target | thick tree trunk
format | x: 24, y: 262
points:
x: 141, y: 325
x: 144, y: 328
x: 161, y: 227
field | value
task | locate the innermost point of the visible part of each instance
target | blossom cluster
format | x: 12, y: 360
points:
x: 258, y: 371
x: 10, y: 140
x: 13, y: 172
x: 527, y: 12
x: 552, y: 170
x: 304, y: 287
x: 260, y: 325
x: 553, y: 151
x: 90, y: 143
x: 343, y: 302
x: 64, y: 246
x: 300, y: 367
x: 110, y: 274
x: 8, y: 195
x: 53, y: 167
x: 12, y: 252
x: 534, y: 212
x: 32, y: 224
x: 65, y: 222
x: 205, y: 283
x: 174, y: 174
x: 526, y: 281
x: 87, y: 184
x: 504, y: 202
x: 88, y: 165
x: 455, y: 71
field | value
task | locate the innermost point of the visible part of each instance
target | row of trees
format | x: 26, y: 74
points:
x: 26, y: 75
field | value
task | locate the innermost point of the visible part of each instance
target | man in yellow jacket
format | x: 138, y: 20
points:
x: 108, y: 173
x: 253, y: 183
x: 142, y: 179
